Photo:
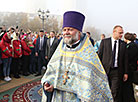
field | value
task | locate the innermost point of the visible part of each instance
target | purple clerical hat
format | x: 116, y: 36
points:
x: 73, y: 19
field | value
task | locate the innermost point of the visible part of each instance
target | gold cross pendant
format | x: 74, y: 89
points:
x: 65, y: 76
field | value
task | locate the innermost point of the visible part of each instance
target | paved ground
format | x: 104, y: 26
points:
x: 16, y: 82
x: 4, y: 86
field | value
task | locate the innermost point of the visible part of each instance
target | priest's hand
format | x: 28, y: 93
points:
x: 48, y: 87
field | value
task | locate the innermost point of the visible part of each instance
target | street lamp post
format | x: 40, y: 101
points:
x: 43, y: 15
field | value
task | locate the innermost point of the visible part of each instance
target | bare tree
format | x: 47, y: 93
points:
x: 14, y: 19
x: 23, y: 21
x: 95, y: 33
x: 10, y: 20
x: 35, y: 24
x: 53, y: 24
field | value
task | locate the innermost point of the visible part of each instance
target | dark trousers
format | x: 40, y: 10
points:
x: 41, y: 61
x: 115, y: 84
x: 26, y: 62
x: 6, y: 66
x: 15, y: 66
x: 32, y: 67
x: 128, y: 91
x: 1, y: 71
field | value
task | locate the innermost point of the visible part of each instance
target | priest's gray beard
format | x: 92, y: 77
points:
x: 71, y: 40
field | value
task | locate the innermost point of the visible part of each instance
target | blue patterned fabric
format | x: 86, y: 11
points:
x: 87, y: 79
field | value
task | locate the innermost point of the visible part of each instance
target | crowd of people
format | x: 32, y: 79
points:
x: 25, y: 53
x: 77, y: 68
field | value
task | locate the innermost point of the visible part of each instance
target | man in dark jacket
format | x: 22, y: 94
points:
x: 3, y: 31
x: 89, y: 35
x: 52, y: 44
x: 112, y: 53
x: 40, y: 51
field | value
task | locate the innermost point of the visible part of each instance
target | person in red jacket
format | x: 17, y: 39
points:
x: 26, y: 55
x: 6, y: 48
x: 16, y: 54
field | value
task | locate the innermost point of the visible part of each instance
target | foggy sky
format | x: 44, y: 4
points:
x: 101, y: 14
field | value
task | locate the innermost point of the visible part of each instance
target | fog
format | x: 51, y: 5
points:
x: 101, y: 14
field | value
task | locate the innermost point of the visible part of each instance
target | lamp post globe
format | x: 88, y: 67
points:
x: 43, y: 15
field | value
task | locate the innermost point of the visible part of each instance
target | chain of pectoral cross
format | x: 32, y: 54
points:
x: 65, y: 76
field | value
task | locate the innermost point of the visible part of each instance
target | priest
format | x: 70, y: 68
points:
x: 75, y: 73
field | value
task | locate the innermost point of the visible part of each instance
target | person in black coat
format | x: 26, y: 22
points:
x: 52, y: 44
x: 112, y: 53
x: 40, y: 51
x: 3, y: 31
x: 92, y: 41
x: 132, y: 50
x: 136, y: 39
